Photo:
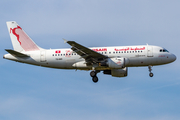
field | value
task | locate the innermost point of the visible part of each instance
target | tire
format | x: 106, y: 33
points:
x: 151, y: 74
x: 93, y: 73
x: 95, y: 79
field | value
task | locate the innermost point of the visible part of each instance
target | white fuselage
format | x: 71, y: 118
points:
x: 135, y: 56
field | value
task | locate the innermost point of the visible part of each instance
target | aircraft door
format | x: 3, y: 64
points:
x: 149, y: 51
x: 43, y: 56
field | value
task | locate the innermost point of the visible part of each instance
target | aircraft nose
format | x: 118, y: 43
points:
x: 173, y: 57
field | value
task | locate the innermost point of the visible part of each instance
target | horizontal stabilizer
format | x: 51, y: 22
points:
x: 17, y: 54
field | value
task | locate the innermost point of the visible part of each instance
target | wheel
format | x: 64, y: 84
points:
x: 95, y: 79
x: 151, y: 74
x: 93, y: 73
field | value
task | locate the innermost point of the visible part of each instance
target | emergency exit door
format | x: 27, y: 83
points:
x: 149, y: 51
x: 43, y: 56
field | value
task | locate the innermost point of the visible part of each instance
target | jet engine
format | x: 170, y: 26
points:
x: 81, y: 64
x: 116, y: 63
x: 117, y: 72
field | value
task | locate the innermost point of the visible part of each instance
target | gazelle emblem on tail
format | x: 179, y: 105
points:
x: 14, y: 32
x: 20, y: 40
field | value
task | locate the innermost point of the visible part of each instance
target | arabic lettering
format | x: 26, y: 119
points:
x: 129, y: 48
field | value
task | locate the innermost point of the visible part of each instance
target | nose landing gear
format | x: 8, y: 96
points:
x: 150, y: 69
x: 93, y: 75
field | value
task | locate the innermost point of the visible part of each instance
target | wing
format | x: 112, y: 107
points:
x: 89, y: 55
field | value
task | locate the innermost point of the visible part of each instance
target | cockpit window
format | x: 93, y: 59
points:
x: 163, y: 50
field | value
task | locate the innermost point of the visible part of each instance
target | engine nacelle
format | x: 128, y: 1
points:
x: 116, y: 63
x: 117, y: 72
x: 81, y: 64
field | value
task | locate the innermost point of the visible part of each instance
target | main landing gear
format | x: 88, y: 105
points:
x: 150, y: 69
x: 93, y: 75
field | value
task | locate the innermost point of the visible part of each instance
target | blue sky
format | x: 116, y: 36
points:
x: 36, y: 93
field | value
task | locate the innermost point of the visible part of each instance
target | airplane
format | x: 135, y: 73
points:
x: 112, y: 61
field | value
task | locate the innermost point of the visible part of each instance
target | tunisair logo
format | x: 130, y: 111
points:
x: 14, y: 32
x: 100, y: 49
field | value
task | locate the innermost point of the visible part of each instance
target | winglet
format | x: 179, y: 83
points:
x: 65, y: 41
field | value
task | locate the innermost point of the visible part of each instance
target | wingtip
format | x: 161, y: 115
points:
x: 65, y: 41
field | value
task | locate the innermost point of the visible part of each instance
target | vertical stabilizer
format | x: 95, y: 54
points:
x: 20, y: 40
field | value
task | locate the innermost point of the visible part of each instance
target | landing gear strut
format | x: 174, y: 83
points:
x: 150, y: 69
x: 93, y: 75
